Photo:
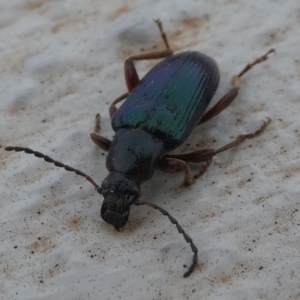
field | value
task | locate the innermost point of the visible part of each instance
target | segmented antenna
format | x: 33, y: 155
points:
x: 47, y: 158
x: 56, y: 163
x: 187, y: 238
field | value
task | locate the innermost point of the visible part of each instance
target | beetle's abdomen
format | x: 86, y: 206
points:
x: 171, y: 98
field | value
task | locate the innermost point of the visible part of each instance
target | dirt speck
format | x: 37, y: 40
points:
x: 292, y: 172
x: 57, y: 27
x: 33, y: 5
x: 68, y: 92
x: 119, y: 11
x: 200, y: 267
x: 242, y: 183
x: 75, y: 223
x: 196, y: 23
x: 43, y: 244
x: 261, y: 200
x: 225, y: 279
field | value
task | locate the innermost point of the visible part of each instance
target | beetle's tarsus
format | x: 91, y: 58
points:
x: 162, y: 33
x: 236, y: 80
x: 97, y: 123
x: 243, y: 137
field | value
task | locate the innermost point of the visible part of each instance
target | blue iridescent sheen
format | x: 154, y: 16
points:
x: 170, y: 100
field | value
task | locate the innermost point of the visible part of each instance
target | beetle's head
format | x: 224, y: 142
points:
x: 119, y: 192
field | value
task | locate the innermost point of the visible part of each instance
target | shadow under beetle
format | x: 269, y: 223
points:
x: 159, y: 114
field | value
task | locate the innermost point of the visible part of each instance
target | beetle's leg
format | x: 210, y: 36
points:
x: 243, y: 137
x: 220, y: 105
x: 203, y: 169
x: 203, y: 155
x: 131, y: 75
x: 206, y: 155
x: 113, y: 109
x: 97, y: 123
x: 169, y: 164
x: 231, y: 95
x: 162, y: 33
x: 236, y: 80
x: 99, y: 140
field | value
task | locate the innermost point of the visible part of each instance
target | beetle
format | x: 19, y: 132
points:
x: 158, y: 115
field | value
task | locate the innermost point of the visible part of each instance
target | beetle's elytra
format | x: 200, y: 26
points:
x: 158, y: 115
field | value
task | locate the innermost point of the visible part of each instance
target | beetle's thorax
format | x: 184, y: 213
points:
x: 134, y: 152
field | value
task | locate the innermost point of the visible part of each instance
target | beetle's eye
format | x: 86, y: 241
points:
x: 130, y: 197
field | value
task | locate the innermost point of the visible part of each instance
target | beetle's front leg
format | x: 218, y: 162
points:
x: 99, y: 140
x: 231, y: 95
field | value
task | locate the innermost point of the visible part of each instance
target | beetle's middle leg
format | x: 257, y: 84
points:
x: 170, y: 164
x: 206, y: 155
x: 99, y: 140
x: 231, y: 95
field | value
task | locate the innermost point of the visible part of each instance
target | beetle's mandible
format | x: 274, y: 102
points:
x: 158, y: 115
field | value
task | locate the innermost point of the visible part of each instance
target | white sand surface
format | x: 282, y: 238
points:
x: 61, y: 62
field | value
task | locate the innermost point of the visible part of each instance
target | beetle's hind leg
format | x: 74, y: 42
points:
x: 163, y: 34
x: 232, y: 94
x: 131, y: 75
x: 99, y: 140
x: 180, y: 161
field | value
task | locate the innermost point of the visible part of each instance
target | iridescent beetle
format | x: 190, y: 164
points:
x: 158, y: 115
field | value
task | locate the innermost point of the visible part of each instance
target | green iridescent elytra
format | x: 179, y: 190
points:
x: 171, y: 98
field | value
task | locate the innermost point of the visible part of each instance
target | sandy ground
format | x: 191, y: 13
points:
x: 61, y: 63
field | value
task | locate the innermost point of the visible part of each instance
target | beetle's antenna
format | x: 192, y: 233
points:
x: 56, y: 163
x: 180, y: 230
